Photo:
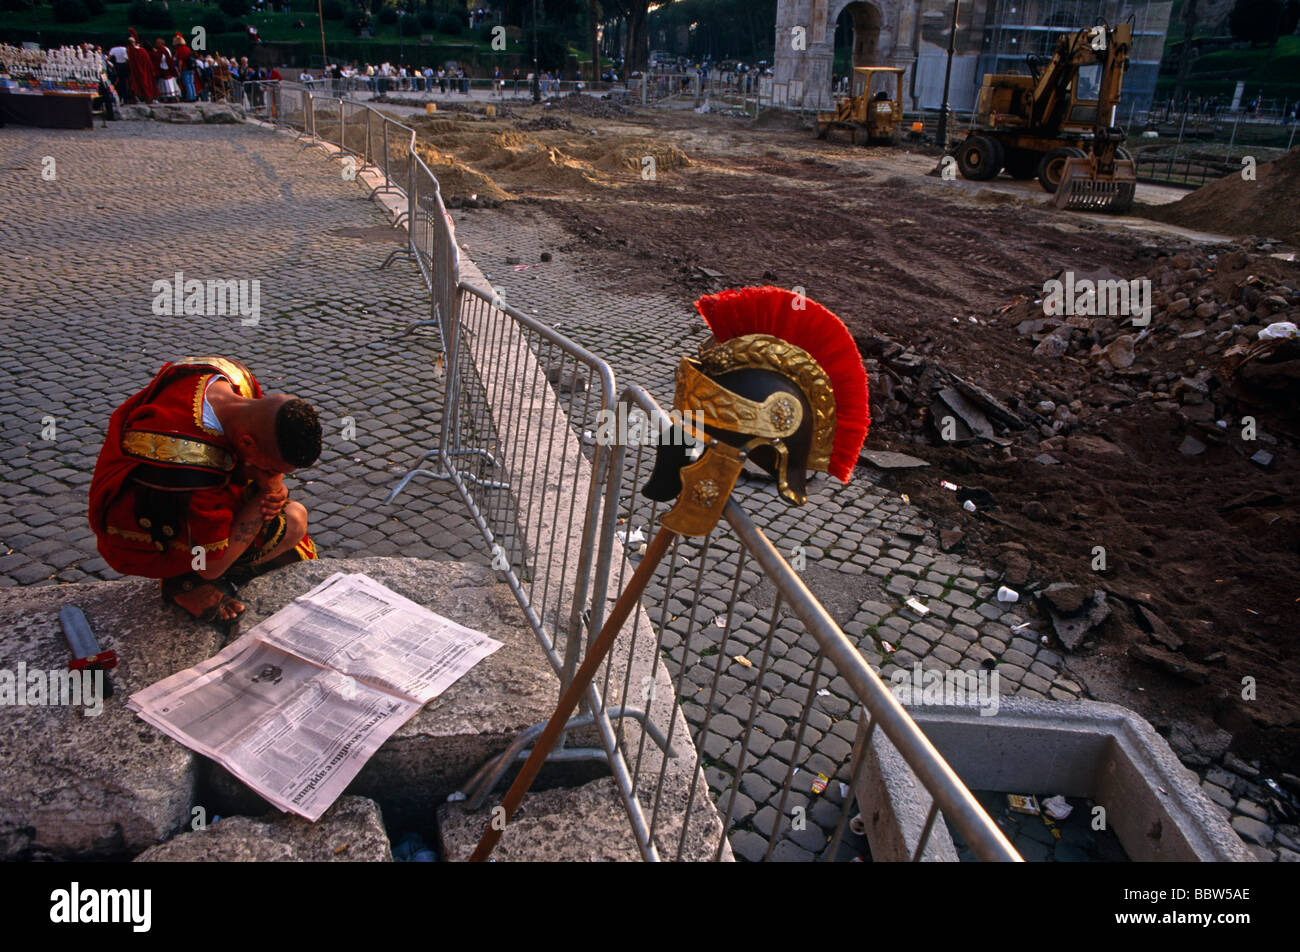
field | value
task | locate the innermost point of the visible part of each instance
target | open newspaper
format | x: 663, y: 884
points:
x: 296, y: 707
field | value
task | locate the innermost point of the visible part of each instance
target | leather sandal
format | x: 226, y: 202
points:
x: 191, y: 582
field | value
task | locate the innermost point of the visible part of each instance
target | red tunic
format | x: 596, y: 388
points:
x: 144, y: 78
x: 164, y: 483
x: 164, y: 64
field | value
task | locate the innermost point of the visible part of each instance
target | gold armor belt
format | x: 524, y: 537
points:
x: 176, y: 451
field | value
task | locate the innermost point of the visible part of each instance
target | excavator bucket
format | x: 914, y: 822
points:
x: 1084, y: 188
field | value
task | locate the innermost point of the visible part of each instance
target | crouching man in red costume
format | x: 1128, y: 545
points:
x: 189, y: 486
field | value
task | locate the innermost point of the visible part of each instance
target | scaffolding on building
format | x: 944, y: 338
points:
x: 1018, y: 29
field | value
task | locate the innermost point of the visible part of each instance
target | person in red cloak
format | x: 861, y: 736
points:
x: 144, y: 79
x: 189, y: 485
x: 164, y: 64
x: 184, y: 67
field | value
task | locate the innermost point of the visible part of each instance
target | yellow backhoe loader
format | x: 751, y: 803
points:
x: 872, y: 115
x: 1058, y: 124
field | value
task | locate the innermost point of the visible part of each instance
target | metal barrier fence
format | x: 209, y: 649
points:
x: 452, y: 86
x: 514, y: 387
x: 558, y: 506
x: 701, y: 614
x: 511, y: 456
x: 523, y: 442
x: 1192, y: 171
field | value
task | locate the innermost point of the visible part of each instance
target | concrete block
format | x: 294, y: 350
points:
x: 1086, y: 749
x: 894, y: 806
x: 352, y: 830
x: 576, y: 824
x: 109, y: 786
x: 432, y: 754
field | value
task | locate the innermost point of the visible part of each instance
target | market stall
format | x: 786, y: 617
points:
x: 52, y: 89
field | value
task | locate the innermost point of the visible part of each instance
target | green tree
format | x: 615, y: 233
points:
x: 636, y: 13
x: 152, y: 16
x: 70, y: 11
x: 1257, y: 22
x: 722, y: 29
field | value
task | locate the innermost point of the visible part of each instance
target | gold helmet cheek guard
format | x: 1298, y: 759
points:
x: 754, y: 398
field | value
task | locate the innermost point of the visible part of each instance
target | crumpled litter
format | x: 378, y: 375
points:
x: 1057, y: 807
x: 631, y: 536
x: 1279, y: 331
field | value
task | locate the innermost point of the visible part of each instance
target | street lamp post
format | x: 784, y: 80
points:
x: 537, y: 79
x: 320, y: 17
x: 945, y: 110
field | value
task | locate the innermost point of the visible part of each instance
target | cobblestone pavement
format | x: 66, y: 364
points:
x: 134, y: 203
x: 866, y: 550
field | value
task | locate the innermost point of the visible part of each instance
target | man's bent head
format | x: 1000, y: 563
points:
x: 297, y: 433
x: 279, y: 434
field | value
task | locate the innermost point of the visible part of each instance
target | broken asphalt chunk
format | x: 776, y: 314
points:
x: 1074, y: 614
x: 1168, y: 661
x: 884, y: 459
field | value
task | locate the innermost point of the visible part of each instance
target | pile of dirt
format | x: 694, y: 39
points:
x: 1264, y: 207
x: 1180, y: 332
x: 549, y: 154
x: 590, y: 106
x: 548, y: 123
x: 456, y: 179
x: 632, y: 156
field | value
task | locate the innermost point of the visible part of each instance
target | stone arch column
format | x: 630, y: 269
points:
x: 883, y: 37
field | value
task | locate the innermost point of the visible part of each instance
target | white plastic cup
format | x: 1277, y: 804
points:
x: 1008, y: 595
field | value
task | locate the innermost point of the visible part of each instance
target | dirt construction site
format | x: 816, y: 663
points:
x: 1132, y: 474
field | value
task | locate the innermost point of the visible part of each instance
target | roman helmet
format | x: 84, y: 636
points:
x: 781, y: 384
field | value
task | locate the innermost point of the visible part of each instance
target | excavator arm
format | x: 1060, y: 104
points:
x: 1051, y: 95
x: 1106, y: 135
x: 1106, y: 178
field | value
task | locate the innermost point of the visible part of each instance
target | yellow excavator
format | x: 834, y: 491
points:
x: 873, y: 114
x: 1058, y: 124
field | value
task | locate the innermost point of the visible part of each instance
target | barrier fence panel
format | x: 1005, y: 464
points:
x: 309, y: 118
x: 326, y: 123
x: 292, y: 109
x: 445, y: 255
x: 355, y: 129
x: 517, y: 465
x: 399, y: 141
x: 765, y: 723
x: 432, y: 245
x: 426, y: 209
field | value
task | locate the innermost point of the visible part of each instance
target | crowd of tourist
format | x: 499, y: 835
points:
x: 175, y: 73
x: 170, y: 71
x: 1215, y: 107
x: 390, y: 77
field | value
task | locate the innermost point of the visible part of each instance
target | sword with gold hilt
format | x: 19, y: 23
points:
x: 780, y: 385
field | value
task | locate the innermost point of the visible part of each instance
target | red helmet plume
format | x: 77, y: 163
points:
x: 810, y: 326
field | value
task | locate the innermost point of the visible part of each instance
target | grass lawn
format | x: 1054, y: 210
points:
x: 271, y: 27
